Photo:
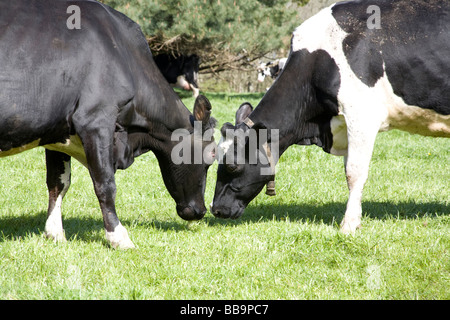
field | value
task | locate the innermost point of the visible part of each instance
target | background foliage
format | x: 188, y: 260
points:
x: 226, y: 34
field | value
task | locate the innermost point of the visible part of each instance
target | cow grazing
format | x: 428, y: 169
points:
x: 181, y: 71
x: 270, y: 69
x: 342, y: 84
x: 94, y: 94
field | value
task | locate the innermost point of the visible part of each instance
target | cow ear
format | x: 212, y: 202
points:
x: 242, y: 113
x: 202, y: 110
x: 226, y: 126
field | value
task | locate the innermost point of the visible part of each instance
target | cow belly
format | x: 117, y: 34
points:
x: 418, y: 120
x: 20, y: 149
x: 73, y: 147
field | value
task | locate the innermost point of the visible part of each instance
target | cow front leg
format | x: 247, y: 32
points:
x: 361, y: 141
x: 58, y: 182
x: 99, y: 155
x: 116, y: 234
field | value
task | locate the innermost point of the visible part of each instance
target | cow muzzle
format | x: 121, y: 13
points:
x: 226, y: 212
x: 191, y: 212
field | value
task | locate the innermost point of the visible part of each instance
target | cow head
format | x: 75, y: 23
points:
x: 184, y: 167
x: 246, y: 164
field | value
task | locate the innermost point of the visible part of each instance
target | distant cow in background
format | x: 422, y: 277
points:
x: 270, y: 69
x: 181, y: 71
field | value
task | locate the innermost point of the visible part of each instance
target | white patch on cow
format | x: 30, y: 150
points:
x: 20, y: 149
x: 282, y: 63
x: 261, y: 76
x: 224, y: 145
x: 182, y: 83
x: 195, y: 90
x: 339, y: 132
x: 322, y: 22
x: 363, y: 111
x: 53, y: 226
x: 73, y: 147
x: 119, y: 238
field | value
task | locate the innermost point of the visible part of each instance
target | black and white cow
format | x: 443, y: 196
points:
x: 181, y: 71
x: 342, y: 84
x: 270, y: 69
x: 94, y: 94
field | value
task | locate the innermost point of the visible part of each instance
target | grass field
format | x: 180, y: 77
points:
x: 284, y: 247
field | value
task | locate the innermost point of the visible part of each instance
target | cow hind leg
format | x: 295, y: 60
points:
x: 58, y: 182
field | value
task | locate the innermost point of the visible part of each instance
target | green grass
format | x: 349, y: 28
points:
x: 284, y: 247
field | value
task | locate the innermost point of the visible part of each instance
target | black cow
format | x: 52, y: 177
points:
x: 94, y: 94
x: 181, y: 71
x: 348, y: 76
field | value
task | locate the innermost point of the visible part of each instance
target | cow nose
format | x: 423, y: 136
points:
x: 191, y: 212
x: 214, y: 211
x: 217, y: 212
x: 220, y: 214
x: 227, y: 212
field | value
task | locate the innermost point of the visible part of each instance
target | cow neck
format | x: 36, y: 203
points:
x: 295, y: 107
x: 276, y: 116
x: 163, y: 106
x: 154, y: 98
x: 161, y: 112
x: 270, y: 186
x: 280, y: 107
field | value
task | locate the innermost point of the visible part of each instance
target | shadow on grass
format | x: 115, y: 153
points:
x: 328, y: 214
x: 33, y: 223
x: 333, y: 213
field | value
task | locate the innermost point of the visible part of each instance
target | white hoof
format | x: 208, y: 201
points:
x: 58, y: 236
x: 349, y: 226
x: 119, y: 238
x: 54, y: 229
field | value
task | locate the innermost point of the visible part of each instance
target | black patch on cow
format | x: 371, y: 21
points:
x: 303, y: 100
x: 413, y: 43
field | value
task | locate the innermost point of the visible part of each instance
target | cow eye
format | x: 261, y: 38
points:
x: 234, y: 189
